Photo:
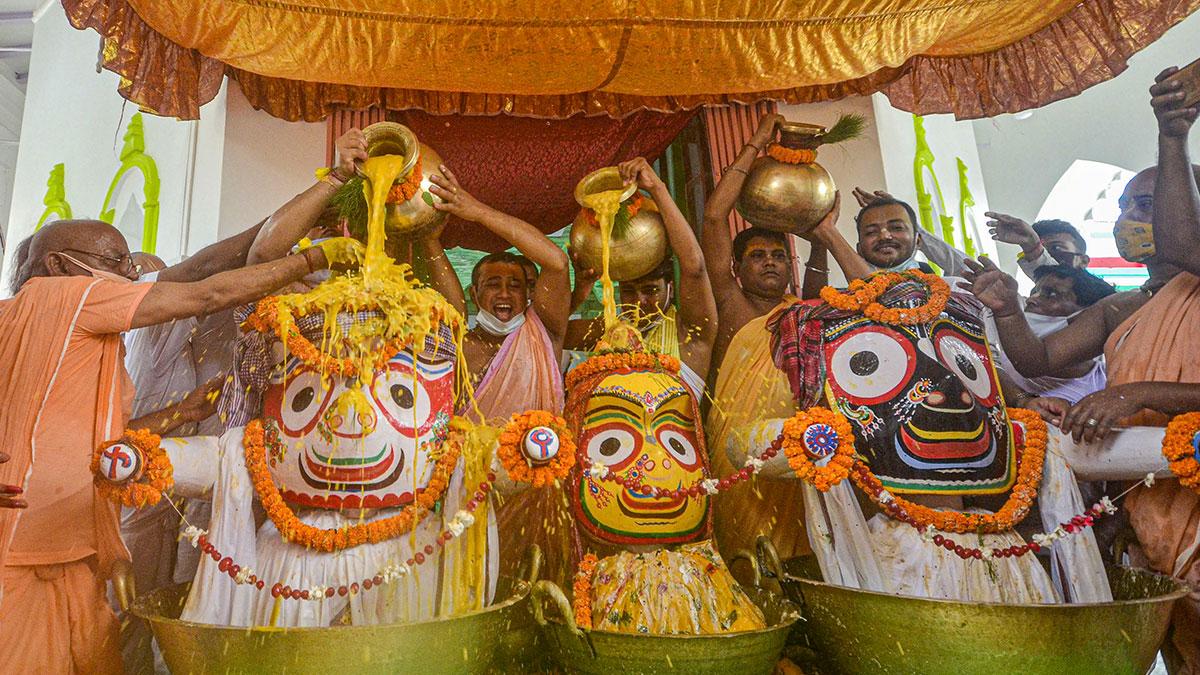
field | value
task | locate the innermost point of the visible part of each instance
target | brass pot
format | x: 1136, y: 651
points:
x: 638, y: 250
x: 857, y: 631
x: 788, y: 197
x: 416, y: 214
x: 499, y: 638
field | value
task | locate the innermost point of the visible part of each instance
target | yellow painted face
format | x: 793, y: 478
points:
x: 641, y: 424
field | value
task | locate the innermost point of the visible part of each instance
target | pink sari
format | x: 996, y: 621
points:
x: 524, y: 375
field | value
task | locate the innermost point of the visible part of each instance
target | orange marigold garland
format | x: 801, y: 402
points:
x: 157, y: 473
x: 1181, y: 446
x: 791, y: 155
x: 814, y: 435
x: 407, y: 188
x: 268, y: 316
x: 1014, y: 510
x: 581, y: 596
x: 512, y: 454
x: 294, y: 530
x: 631, y: 207
x: 607, y: 363
x: 862, y: 296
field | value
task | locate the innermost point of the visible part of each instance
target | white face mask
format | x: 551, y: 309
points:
x: 1043, y: 325
x: 488, y: 321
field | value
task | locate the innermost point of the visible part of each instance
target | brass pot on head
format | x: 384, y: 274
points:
x: 633, y: 252
x: 788, y: 197
x: 416, y: 214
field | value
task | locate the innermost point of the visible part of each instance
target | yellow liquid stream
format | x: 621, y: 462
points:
x: 605, y: 205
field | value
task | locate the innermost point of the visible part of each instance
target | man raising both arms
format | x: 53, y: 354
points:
x: 750, y: 277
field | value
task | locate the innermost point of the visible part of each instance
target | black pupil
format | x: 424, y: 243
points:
x: 965, y: 366
x: 677, y: 446
x: 402, y: 395
x: 609, y: 447
x: 864, y: 363
x: 303, y: 399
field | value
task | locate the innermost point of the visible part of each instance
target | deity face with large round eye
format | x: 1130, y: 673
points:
x: 642, y: 425
x: 924, y: 402
x: 346, y: 445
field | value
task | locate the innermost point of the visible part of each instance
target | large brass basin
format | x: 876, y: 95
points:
x: 609, y: 653
x: 854, y: 631
x: 499, y: 638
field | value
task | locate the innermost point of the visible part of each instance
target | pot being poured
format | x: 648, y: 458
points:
x: 638, y: 243
x: 416, y: 212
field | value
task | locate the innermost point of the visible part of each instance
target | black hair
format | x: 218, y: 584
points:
x: 499, y: 257
x: 1089, y: 288
x: 1045, y: 228
x: 664, y: 270
x: 887, y: 201
x: 742, y: 241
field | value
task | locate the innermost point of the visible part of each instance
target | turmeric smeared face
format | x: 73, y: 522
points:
x: 349, y: 445
x: 641, y: 425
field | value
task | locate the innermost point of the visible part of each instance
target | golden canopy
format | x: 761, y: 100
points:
x: 299, y: 59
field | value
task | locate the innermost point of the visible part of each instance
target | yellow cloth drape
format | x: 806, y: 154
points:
x: 561, y: 57
x: 749, y: 388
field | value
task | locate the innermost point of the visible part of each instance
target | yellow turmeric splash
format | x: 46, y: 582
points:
x: 605, y: 205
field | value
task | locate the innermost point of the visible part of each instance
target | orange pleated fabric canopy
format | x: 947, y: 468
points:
x: 558, y: 58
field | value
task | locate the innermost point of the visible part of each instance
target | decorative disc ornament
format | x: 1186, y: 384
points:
x: 541, y: 445
x: 820, y: 442
x: 120, y: 463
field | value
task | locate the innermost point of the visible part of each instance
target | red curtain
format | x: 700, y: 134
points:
x: 729, y: 128
x: 524, y: 166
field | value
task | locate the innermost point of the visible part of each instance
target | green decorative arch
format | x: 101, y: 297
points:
x: 965, y: 201
x: 56, y: 197
x: 134, y: 157
x: 922, y: 166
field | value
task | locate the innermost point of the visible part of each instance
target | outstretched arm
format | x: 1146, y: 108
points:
x: 716, y: 241
x: 167, y: 301
x: 294, y: 219
x: 1082, y: 339
x: 551, y: 296
x: 697, y: 306
x: 1176, y: 201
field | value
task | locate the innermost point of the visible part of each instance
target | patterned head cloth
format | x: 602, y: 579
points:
x: 259, y: 356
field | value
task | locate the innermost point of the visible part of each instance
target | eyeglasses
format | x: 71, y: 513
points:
x: 123, y: 263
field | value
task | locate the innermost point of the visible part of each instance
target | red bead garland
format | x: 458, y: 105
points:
x: 227, y: 565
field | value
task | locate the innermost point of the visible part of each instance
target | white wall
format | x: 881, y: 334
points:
x: 74, y: 115
x: 1112, y: 123
x: 12, y: 102
x: 266, y: 162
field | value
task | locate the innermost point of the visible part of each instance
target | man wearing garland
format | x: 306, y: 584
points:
x: 1148, y: 340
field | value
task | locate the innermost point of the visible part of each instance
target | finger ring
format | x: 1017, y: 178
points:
x: 1092, y: 421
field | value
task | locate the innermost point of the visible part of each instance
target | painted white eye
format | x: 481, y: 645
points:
x: 611, y: 447
x: 680, y: 446
x: 967, y: 363
x: 303, y: 397
x: 402, y: 398
x: 870, y: 365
